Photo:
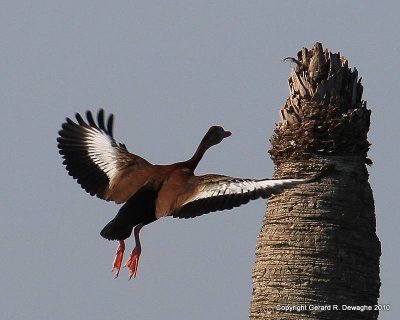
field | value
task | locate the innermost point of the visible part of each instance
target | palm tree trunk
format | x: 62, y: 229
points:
x: 317, y: 254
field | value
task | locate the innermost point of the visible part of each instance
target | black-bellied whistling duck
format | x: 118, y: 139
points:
x: 106, y: 169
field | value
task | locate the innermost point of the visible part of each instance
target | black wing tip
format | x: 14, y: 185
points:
x: 90, y: 119
x: 106, y: 126
x: 100, y: 120
x: 110, y: 123
x: 80, y: 119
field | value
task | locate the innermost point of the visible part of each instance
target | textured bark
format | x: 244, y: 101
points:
x: 318, y: 245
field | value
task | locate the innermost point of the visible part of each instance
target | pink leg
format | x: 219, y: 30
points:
x: 118, y: 257
x: 133, y: 261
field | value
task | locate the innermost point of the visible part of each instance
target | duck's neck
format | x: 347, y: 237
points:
x: 195, y: 159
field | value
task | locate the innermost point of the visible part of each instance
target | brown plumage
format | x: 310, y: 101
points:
x: 106, y: 169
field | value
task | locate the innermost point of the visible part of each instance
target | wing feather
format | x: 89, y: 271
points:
x: 91, y: 154
x: 214, y: 193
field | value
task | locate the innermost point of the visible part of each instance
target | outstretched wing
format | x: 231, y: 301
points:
x: 214, y: 192
x: 92, y: 156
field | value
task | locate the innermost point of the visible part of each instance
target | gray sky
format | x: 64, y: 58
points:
x: 167, y: 70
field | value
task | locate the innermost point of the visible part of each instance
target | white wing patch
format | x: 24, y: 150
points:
x: 102, y: 151
x: 240, y: 186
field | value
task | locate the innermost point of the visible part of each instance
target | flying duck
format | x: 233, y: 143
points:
x: 106, y: 169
